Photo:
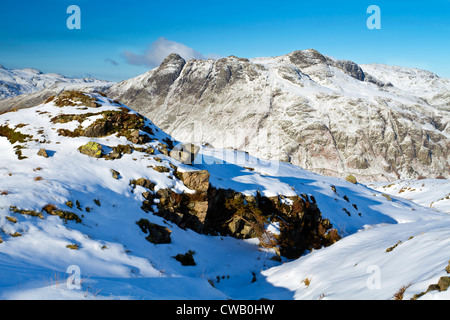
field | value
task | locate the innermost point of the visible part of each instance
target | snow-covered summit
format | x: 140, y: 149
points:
x: 14, y: 82
x: 330, y: 116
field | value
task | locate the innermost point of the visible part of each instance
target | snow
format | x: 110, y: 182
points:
x: 358, y: 267
x: 15, y: 82
x: 117, y: 262
x: 433, y: 193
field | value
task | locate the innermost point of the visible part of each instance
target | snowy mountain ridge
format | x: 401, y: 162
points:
x: 14, y: 82
x: 334, y: 117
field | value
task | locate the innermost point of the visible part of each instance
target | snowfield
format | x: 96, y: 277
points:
x: 387, y: 241
x: 433, y: 193
x: 14, y: 82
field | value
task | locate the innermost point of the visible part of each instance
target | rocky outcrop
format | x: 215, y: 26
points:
x: 227, y: 212
x: 300, y: 221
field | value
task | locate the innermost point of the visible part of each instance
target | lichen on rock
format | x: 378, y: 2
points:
x: 91, y: 149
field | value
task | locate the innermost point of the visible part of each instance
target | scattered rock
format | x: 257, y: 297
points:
x: 74, y: 98
x: 43, y: 153
x: 443, y: 283
x: 350, y: 178
x: 143, y: 183
x: 115, y: 174
x: 91, y: 149
x: 161, y: 169
x: 393, y: 247
x: 156, y: 234
x: 16, y: 234
x: 26, y: 212
x: 65, y: 215
x: 11, y: 219
x: 186, y: 259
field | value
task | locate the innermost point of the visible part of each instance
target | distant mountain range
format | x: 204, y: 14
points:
x: 24, y: 88
x: 14, y: 82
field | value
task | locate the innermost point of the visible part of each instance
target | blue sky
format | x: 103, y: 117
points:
x: 122, y: 39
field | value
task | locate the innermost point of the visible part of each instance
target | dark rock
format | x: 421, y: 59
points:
x: 351, y: 69
x: 186, y: 259
x: 156, y: 234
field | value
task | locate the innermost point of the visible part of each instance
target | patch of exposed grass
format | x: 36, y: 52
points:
x: 307, y: 282
x: 65, y: 215
x: 13, y: 136
x: 26, y: 212
x: 399, y: 294
x: 73, y: 99
x: 16, y: 234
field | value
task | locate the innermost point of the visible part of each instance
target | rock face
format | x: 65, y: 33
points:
x: 329, y: 116
x: 226, y: 212
x: 156, y: 234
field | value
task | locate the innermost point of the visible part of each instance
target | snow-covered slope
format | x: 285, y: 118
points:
x: 14, y: 82
x: 334, y: 117
x: 66, y: 207
x: 420, y: 83
x: 434, y: 193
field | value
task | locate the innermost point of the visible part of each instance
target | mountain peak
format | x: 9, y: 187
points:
x: 173, y: 58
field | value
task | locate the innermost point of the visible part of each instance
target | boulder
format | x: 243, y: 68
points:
x: 115, y: 174
x: 350, y: 178
x: 156, y: 234
x: 443, y: 283
x: 195, y: 180
x: 91, y: 149
x: 43, y: 153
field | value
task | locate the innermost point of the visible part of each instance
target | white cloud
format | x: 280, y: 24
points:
x: 159, y: 50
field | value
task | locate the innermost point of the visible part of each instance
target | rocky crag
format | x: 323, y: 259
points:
x: 329, y: 116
